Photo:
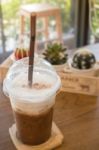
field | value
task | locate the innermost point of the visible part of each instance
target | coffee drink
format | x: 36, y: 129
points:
x: 33, y: 107
x: 34, y: 129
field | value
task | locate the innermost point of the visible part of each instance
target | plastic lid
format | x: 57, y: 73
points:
x: 21, y: 67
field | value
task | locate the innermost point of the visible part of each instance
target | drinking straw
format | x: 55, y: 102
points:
x: 32, y: 47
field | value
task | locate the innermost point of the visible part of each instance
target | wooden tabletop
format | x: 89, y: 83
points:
x: 76, y: 115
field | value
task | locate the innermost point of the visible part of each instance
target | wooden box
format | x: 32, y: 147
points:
x: 71, y: 82
x: 75, y: 83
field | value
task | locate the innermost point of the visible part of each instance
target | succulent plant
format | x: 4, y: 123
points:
x: 20, y: 53
x: 83, y: 59
x: 55, y: 53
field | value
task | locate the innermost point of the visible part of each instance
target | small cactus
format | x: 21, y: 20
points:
x: 55, y: 54
x: 83, y: 59
x: 20, y: 53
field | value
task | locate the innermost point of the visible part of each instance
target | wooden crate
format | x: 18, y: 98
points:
x: 71, y: 82
x: 75, y: 83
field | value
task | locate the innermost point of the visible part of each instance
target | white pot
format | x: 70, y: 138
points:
x: 59, y: 67
x: 86, y: 72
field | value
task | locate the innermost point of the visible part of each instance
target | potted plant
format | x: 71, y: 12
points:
x: 83, y: 62
x: 56, y: 54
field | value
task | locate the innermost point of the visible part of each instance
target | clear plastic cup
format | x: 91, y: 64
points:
x: 33, y: 107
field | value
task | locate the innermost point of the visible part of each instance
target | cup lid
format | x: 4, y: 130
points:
x: 20, y: 68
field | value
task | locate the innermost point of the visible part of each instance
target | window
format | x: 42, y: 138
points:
x: 11, y: 20
x: 94, y: 20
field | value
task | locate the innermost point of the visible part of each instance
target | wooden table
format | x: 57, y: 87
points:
x: 76, y: 115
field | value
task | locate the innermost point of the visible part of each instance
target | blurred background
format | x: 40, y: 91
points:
x: 80, y: 23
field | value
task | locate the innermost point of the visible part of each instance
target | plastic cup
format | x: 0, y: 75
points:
x: 33, y: 107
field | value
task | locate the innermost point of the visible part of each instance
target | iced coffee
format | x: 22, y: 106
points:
x: 33, y: 107
x: 34, y: 129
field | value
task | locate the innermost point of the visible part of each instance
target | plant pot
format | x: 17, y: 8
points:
x: 85, y: 72
x: 59, y: 67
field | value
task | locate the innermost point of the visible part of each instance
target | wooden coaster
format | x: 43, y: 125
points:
x: 55, y: 140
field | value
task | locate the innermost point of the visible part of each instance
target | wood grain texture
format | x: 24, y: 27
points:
x: 76, y: 115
